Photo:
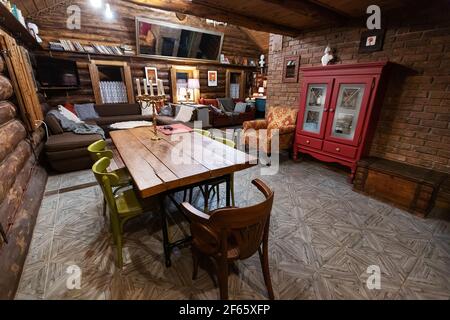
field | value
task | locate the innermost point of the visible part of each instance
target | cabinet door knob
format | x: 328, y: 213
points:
x: 307, y: 141
x: 338, y: 149
x: 325, y: 110
x: 331, y: 109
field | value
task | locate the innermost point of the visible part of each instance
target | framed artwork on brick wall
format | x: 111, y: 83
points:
x: 290, y: 68
x: 371, y: 40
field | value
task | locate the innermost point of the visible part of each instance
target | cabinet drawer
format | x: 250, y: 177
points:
x: 309, y: 142
x: 339, y: 149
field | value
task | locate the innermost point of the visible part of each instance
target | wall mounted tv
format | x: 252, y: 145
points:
x: 52, y: 72
x: 158, y: 38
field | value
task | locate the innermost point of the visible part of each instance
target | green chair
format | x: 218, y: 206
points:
x: 205, y: 133
x: 97, y: 150
x: 215, y: 188
x: 123, y: 205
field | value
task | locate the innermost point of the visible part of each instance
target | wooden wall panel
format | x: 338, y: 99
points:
x: 137, y: 64
x: 121, y: 30
x: 22, y: 183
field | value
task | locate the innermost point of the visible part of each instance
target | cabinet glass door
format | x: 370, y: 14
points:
x: 315, y: 102
x: 347, y: 110
x: 348, y: 107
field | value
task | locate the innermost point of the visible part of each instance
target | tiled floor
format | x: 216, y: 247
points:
x: 323, y: 236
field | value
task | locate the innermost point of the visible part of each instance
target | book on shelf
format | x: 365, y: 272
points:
x: 76, y: 46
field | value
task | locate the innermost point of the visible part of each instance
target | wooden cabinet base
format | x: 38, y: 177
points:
x: 417, y: 190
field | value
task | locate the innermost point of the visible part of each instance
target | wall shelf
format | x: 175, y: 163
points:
x: 143, y: 57
x: 11, y: 25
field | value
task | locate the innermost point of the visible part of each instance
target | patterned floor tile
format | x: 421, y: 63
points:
x: 323, y: 237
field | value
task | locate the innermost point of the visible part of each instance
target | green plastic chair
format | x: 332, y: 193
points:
x: 97, y: 150
x: 123, y: 206
x: 215, y: 188
x: 205, y: 133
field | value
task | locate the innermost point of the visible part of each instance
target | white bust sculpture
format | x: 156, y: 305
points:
x: 261, y: 61
x: 327, y: 57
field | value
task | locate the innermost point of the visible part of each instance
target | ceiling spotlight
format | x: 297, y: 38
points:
x: 108, y: 12
x: 96, y: 3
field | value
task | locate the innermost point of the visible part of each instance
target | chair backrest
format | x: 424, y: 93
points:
x: 228, y: 142
x: 105, y: 180
x: 97, y: 150
x: 205, y: 133
x: 248, y: 226
x: 279, y: 117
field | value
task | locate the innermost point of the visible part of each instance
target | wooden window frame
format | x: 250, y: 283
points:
x: 241, y: 84
x: 192, y: 71
x: 95, y: 78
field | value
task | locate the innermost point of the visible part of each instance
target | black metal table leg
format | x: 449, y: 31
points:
x: 166, y: 243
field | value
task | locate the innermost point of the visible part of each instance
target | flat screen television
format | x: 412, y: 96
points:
x: 158, y: 38
x: 53, y: 72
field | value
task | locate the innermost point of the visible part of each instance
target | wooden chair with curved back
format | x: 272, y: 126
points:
x: 229, y: 234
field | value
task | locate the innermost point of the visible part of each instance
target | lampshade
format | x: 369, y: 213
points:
x: 181, y: 83
x: 261, y: 89
x: 193, y: 84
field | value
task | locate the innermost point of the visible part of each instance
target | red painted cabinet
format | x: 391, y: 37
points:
x: 339, y: 108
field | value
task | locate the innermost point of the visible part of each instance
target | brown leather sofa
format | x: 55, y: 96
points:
x: 217, y: 120
x: 67, y: 151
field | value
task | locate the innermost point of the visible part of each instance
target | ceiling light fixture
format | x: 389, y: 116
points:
x: 96, y: 3
x: 108, y: 12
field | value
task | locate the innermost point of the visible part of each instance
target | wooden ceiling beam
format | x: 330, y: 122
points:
x: 213, y: 12
x: 311, y: 9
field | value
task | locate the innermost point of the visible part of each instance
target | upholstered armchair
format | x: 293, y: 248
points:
x: 281, y: 118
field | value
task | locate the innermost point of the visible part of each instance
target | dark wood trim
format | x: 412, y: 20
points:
x: 206, y: 10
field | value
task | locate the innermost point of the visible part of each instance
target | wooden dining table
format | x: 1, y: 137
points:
x: 176, y: 162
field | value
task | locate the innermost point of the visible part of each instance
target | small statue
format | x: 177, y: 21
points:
x: 327, y: 57
x: 261, y: 61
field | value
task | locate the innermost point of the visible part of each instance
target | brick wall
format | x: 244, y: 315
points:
x: 414, y: 126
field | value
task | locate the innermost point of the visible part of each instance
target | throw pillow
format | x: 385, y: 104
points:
x: 226, y: 103
x: 166, y: 111
x: 215, y: 110
x: 184, y: 114
x: 240, y: 107
x: 148, y: 110
x: 86, y: 111
x: 69, y: 115
x: 70, y: 107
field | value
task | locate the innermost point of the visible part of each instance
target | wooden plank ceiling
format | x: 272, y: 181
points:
x: 288, y: 17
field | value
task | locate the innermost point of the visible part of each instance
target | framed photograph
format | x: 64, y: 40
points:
x: 371, y: 40
x: 290, y: 68
x: 151, y: 73
x: 212, y: 78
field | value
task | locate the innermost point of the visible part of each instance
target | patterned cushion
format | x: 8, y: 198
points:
x: 279, y: 117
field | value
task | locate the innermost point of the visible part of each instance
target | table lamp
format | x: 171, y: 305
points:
x: 192, y: 85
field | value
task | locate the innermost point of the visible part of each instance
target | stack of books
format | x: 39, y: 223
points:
x: 128, y: 50
x: 75, y: 46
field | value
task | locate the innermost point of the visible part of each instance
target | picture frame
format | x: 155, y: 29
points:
x: 212, y: 78
x: 371, y: 41
x: 151, y: 73
x: 290, y: 68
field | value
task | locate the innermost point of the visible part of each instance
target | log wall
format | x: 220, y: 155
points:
x: 121, y: 30
x: 22, y: 182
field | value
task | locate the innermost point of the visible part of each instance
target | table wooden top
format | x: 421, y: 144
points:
x: 176, y: 160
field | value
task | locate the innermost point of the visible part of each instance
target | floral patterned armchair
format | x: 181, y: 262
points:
x: 281, y: 118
